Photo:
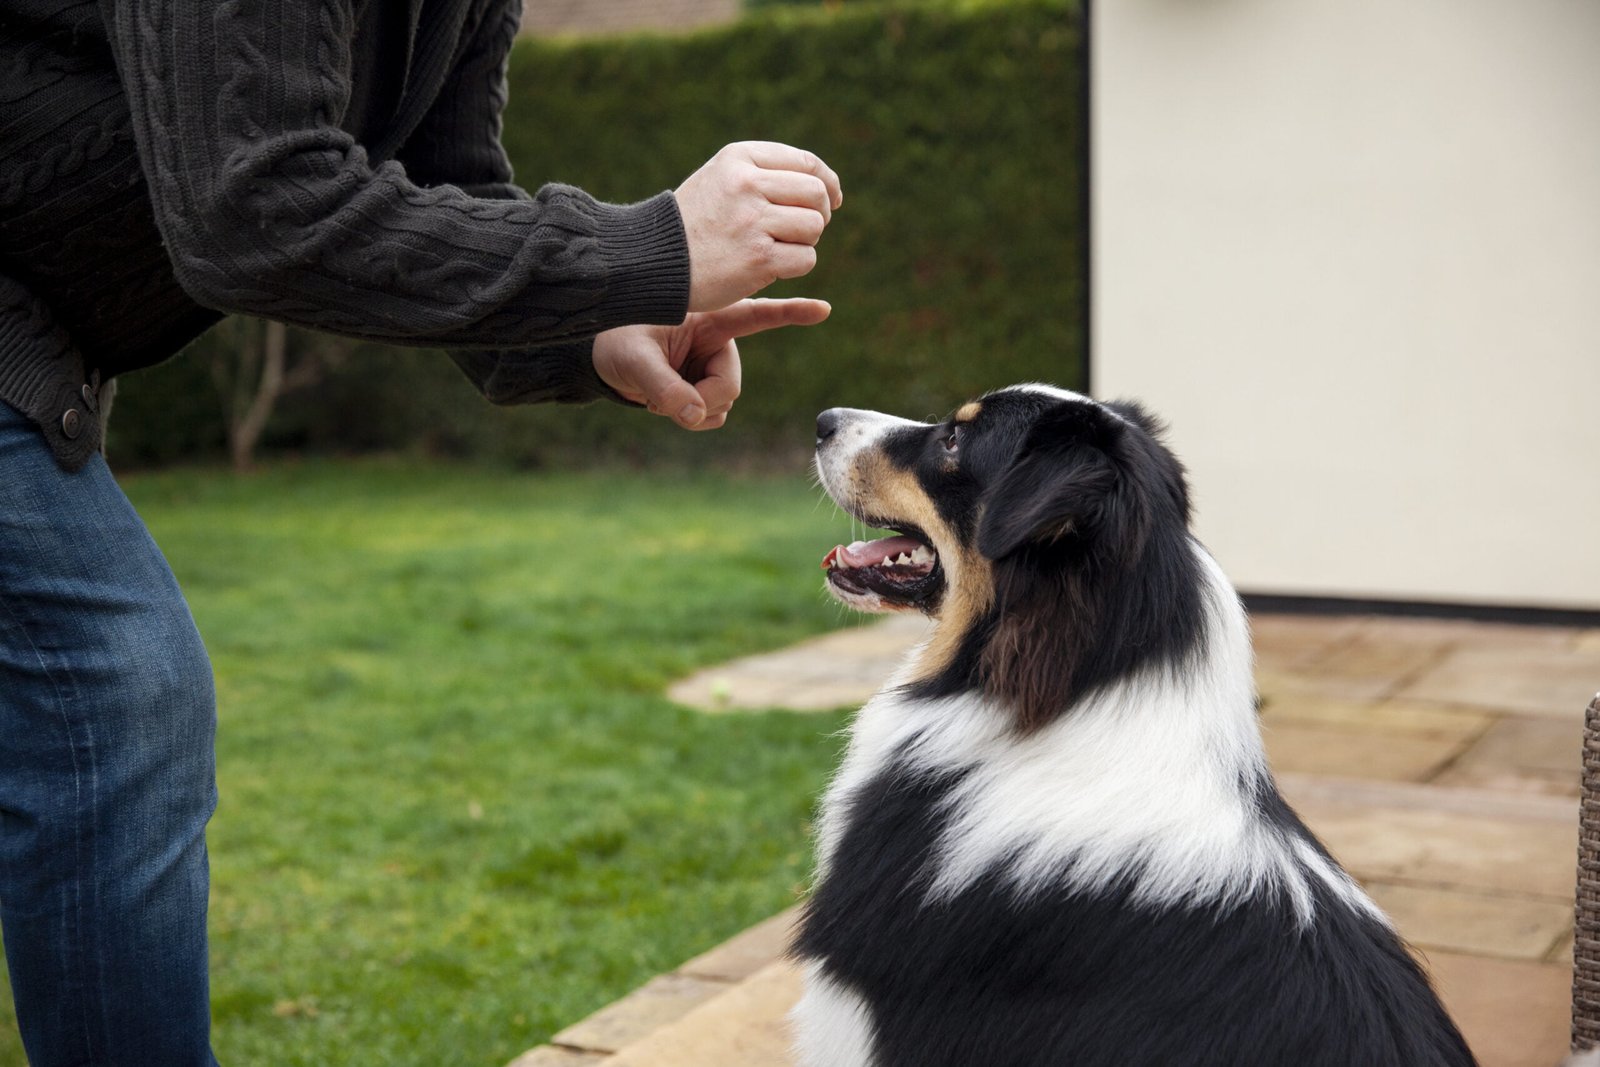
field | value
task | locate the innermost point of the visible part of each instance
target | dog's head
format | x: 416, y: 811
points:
x: 1047, y: 532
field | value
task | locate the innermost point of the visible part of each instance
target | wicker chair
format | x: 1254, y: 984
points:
x: 1586, y: 925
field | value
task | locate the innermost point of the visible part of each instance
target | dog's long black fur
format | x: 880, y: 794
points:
x: 991, y: 979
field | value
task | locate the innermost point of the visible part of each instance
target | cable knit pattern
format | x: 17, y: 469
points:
x: 268, y: 208
x: 165, y: 161
x: 461, y: 134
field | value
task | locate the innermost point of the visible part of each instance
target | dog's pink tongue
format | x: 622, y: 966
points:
x: 869, y: 553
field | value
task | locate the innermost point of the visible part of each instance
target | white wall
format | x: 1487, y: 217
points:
x: 1351, y: 249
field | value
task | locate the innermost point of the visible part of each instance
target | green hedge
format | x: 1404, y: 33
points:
x: 955, y: 265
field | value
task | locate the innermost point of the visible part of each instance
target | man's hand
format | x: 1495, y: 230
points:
x: 690, y: 372
x: 753, y: 214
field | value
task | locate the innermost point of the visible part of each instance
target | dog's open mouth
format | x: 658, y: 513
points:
x: 903, y: 570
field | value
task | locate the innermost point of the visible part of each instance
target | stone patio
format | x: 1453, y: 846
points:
x: 1438, y: 760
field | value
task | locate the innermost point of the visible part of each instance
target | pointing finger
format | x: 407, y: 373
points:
x: 753, y: 316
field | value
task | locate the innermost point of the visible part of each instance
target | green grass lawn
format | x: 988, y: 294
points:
x: 457, y: 812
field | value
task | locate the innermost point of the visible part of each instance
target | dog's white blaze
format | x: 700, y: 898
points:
x: 832, y: 1026
x: 1142, y: 782
x: 1048, y: 390
x: 856, y: 430
x: 1055, y: 392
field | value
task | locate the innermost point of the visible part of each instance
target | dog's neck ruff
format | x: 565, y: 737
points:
x: 1152, y: 784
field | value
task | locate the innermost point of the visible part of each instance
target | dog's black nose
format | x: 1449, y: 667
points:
x: 827, y: 424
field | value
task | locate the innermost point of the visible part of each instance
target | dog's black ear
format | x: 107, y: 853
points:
x: 1064, y: 486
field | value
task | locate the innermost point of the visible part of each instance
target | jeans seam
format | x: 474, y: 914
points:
x: 60, y: 700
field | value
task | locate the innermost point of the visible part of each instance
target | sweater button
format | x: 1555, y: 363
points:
x: 71, y: 423
x: 90, y: 401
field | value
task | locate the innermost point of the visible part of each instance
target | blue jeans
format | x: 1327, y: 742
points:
x: 107, y: 773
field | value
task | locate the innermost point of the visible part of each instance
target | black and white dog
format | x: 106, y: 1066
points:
x: 1054, y: 839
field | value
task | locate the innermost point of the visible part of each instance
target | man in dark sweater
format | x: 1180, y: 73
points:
x: 330, y: 163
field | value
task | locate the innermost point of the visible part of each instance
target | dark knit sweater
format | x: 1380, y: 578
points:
x: 330, y: 163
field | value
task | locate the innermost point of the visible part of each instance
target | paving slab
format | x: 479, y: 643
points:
x: 1368, y: 667
x: 1513, y: 1013
x: 1523, y: 755
x: 1465, y: 632
x: 744, y: 955
x: 1274, y: 683
x: 660, y: 1001
x: 551, y: 1056
x: 1292, y: 747
x: 1484, y: 924
x: 838, y: 670
x: 1530, y: 681
x: 1436, y: 848
x: 1304, y: 790
x: 1291, y: 641
x: 1371, y: 717
x: 746, y: 1026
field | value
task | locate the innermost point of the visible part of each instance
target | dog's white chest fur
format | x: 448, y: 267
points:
x: 832, y: 1026
x: 1141, y: 781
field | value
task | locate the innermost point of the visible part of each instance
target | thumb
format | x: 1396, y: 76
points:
x: 666, y: 393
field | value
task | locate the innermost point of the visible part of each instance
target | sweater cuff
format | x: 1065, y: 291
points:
x: 646, y: 256
x: 558, y: 374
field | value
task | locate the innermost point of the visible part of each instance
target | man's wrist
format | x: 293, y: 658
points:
x: 645, y: 253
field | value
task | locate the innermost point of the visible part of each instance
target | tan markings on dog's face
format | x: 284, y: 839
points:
x: 882, y: 488
x: 968, y: 411
x: 968, y: 595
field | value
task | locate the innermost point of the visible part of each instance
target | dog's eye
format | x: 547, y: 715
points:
x: 952, y: 440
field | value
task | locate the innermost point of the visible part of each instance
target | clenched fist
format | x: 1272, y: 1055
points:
x: 753, y: 214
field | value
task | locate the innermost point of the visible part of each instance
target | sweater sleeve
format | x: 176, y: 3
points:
x: 458, y: 143
x: 268, y: 208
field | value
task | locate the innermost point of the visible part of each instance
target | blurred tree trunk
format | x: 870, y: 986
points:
x: 244, y: 429
x: 253, y: 367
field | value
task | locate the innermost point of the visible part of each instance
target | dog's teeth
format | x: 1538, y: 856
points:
x: 923, y: 554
